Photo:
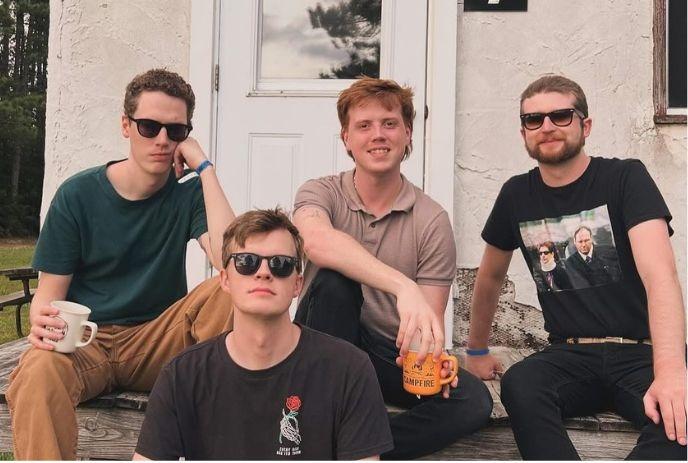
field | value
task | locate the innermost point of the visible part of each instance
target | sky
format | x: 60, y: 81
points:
x: 291, y: 48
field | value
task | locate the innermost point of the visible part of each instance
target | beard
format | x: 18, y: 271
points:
x: 568, y: 151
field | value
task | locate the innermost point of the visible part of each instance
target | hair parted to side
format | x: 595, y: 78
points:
x: 159, y: 80
x: 385, y: 91
x: 553, y: 83
x: 259, y: 221
x: 580, y: 229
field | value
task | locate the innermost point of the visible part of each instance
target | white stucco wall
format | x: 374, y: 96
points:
x: 95, y: 48
x: 604, y: 46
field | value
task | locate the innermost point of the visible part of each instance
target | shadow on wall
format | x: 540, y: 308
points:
x: 515, y: 325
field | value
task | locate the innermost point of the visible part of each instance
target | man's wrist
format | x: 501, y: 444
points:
x: 203, y: 166
x: 477, y: 352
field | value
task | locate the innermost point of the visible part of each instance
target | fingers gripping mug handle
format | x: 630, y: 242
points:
x: 454, y: 369
x: 94, y: 330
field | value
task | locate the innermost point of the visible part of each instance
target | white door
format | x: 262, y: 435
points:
x: 277, y: 122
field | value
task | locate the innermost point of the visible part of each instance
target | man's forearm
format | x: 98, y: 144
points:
x: 219, y: 213
x: 493, y: 267
x: 483, y: 308
x: 667, y: 323
x: 338, y: 251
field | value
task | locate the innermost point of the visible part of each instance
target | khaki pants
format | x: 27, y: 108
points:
x: 46, y: 386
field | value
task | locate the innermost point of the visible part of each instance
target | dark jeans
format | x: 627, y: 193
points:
x: 566, y: 380
x: 332, y: 305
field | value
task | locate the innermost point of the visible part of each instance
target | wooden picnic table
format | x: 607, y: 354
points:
x: 18, y: 298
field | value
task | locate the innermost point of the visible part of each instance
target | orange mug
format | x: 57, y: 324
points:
x: 425, y: 379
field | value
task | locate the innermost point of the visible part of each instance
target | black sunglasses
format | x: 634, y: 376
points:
x: 150, y: 129
x: 560, y: 118
x: 544, y: 253
x: 248, y: 263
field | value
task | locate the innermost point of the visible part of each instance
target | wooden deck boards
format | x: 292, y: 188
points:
x: 109, y: 424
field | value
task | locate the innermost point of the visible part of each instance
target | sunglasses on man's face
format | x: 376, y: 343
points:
x: 149, y: 128
x: 248, y: 263
x: 560, y: 118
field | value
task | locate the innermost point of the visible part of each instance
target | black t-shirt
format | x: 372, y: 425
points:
x: 603, y: 294
x: 322, y: 402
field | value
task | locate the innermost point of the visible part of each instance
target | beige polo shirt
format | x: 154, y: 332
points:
x: 414, y: 237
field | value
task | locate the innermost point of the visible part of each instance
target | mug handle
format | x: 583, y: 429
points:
x: 454, y: 369
x: 94, y: 330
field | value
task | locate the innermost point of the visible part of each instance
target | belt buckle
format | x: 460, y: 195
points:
x: 616, y: 339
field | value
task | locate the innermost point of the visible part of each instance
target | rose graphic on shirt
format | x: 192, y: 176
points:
x: 293, y: 403
x: 289, y: 425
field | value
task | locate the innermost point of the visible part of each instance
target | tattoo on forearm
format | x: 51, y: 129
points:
x: 311, y: 212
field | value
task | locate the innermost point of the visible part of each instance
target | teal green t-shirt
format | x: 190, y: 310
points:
x: 127, y: 258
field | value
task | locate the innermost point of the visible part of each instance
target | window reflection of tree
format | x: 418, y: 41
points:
x: 353, y: 26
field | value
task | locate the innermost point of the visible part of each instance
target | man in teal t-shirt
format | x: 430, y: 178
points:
x: 114, y: 239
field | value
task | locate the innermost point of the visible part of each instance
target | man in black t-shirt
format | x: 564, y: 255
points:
x: 618, y: 340
x: 269, y: 389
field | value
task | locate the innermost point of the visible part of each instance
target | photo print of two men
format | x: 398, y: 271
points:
x: 572, y: 251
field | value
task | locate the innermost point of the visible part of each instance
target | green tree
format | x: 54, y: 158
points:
x: 23, y: 80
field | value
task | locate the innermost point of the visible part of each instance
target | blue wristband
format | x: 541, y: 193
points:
x: 477, y: 352
x: 203, y: 166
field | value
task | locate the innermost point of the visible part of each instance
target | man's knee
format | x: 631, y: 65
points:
x: 653, y: 444
x: 473, y: 391
x: 519, y: 385
x: 43, y: 374
x: 331, y: 282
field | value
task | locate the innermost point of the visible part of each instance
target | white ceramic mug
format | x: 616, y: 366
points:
x: 75, y: 317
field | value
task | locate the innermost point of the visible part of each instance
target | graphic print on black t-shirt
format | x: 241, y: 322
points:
x: 571, y: 252
x: 290, y: 438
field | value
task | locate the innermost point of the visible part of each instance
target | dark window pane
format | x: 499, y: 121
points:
x: 320, y: 39
x: 676, y: 40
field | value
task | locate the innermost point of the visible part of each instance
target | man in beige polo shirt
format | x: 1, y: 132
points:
x: 381, y: 261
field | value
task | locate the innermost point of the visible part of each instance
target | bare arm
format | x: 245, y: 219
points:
x: 654, y: 260
x: 374, y: 457
x: 329, y: 248
x: 51, y: 287
x: 493, y: 268
x: 219, y: 213
x: 139, y: 457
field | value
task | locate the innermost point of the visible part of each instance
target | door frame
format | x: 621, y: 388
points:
x: 440, y: 126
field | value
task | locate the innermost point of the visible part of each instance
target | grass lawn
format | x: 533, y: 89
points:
x: 13, y: 254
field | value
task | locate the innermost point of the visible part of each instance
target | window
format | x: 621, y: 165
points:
x: 307, y: 45
x: 669, y: 32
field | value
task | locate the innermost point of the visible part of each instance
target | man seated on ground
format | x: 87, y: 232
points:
x: 382, y: 260
x: 114, y: 240
x: 618, y: 345
x: 269, y: 388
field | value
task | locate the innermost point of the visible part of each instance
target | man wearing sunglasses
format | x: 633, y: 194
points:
x: 382, y: 260
x: 114, y: 239
x: 619, y: 344
x: 269, y: 389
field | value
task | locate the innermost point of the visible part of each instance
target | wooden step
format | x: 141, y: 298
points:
x: 109, y: 424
